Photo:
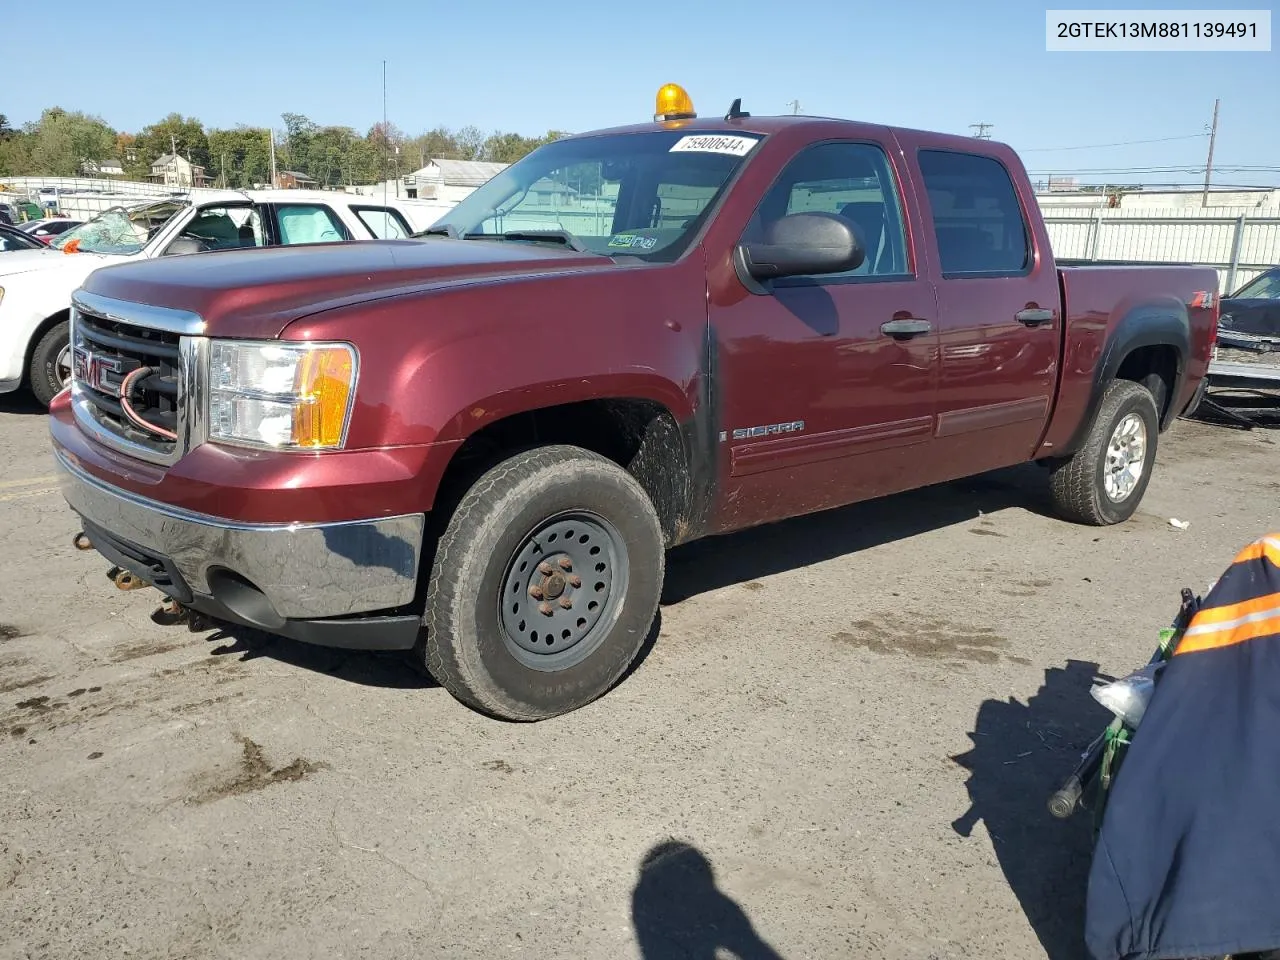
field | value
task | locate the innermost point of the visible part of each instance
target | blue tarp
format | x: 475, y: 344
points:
x: 1187, y: 862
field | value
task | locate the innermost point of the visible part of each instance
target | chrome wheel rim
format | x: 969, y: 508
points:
x: 1126, y: 458
x: 62, y: 365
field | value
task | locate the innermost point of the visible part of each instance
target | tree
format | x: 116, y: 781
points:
x: 6, y: 131
x: 437, y: 144
x: 241, y: 157
x: 59, y: 144
x: 470, y: 143
x: 185, y: 133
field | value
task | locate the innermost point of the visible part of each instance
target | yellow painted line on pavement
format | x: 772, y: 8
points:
x: 23, y: 494
x: 9, y: 484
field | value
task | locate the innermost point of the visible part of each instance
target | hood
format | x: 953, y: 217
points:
x: 1257, y: 317
x: 27, y: 261
x: 257, y: 293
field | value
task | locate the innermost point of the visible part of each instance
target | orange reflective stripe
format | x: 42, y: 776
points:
x: 1268, y: 546
x: 1252, y: 627
x: 1233, y: 611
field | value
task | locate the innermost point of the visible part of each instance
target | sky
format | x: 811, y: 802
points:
x: 529, y: 67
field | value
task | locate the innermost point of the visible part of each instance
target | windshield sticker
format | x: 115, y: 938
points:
x: 715, y: 143
x: 632, y: 242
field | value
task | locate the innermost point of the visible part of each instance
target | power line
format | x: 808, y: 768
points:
x: 1102, y: 146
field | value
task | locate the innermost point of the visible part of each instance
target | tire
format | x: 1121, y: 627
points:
x: 43, y: 375
x: 489, y: 641
x: 1079, y: 482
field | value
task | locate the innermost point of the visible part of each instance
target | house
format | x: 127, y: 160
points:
x: 177, y: 171
x: 293, y: 180
x: 450, y: 180
x: 102, y: 168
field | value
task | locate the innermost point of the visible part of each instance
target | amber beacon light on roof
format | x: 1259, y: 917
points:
x: 673, y: 103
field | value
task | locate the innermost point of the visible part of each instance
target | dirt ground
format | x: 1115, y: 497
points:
x: 840, y: 744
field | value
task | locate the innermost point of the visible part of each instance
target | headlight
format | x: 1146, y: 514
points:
x: 293, y: 396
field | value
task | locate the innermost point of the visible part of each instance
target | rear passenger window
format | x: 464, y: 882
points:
x: 383, y: 222
x: 308, y: 223
x: 853, y: 181
x: 976, y: 215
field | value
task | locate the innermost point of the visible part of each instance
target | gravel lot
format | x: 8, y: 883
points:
x: 839, y: 745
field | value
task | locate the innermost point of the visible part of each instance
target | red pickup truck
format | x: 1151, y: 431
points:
x: 478, y: 444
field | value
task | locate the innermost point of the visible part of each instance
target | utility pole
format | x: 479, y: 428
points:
x: 1208, y: 164
x: 385, y: 139
x: 794, y: 105
x: 982, y: 129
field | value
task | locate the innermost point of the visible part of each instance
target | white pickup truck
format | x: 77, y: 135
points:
x: 36, y: 285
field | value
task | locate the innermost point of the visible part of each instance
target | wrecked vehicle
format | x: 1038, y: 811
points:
x: 479, y: 444
x: 1247, y: 354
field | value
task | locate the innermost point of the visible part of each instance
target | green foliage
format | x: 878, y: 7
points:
x: 60, y: 142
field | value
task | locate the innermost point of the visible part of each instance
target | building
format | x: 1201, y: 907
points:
x: 293, y: 180
x: 102, y: 168
x: 450, y: 180
x: 177, y: 171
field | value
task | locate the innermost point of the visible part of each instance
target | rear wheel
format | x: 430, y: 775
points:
x: 1103, y: 482
x: 544, y: 585
x: 50, y: 368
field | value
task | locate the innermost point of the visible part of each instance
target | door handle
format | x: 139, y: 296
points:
x: 1034, y: 316
x: 910, y: 327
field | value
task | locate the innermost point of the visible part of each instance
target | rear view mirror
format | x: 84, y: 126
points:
x: 184, y: 245
x: 801, y: 244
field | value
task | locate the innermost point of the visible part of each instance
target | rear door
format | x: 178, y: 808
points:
x: 999, y: 311
x: 293, y: 223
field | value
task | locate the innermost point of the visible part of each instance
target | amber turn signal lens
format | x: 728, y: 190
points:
x: 324, y: 382
x: 673, y: 103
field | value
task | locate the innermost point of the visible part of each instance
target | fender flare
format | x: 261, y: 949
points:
x: 1163, y: 324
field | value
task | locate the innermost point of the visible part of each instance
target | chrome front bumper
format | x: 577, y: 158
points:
x: 305, y: 570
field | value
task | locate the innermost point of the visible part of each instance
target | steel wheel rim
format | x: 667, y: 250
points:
x: 1126, y: 458
x: 562, y: 590
x: 62, y: 365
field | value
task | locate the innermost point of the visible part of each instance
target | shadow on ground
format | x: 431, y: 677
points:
x: 679, y: 913
x: 1021, y: 754
x: 20, y: 401
x: 716, y: 562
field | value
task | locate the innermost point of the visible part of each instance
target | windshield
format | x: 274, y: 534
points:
x: 643, y: 195
x: 118, y: 230
x: 1265, y: 287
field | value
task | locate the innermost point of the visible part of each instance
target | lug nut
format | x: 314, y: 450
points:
x: 575, y: 581
x: 566, y: 603
x: 535, y: 591
x: 544, y: 608
x: 565, y: 563
x: 545, y: 569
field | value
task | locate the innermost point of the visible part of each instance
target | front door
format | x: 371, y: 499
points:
x: 821, y: 402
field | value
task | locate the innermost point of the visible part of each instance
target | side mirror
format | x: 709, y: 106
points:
x: 184, y: 245
x: 802, y: 244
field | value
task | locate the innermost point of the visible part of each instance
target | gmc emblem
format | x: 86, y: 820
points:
x: 92, y: 370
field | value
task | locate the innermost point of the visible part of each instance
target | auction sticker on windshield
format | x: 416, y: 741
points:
x: 715, y: 143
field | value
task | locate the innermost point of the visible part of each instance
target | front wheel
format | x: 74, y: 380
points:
x: 50, y: 369
x: 544, y: 585
x: 1103, y: 482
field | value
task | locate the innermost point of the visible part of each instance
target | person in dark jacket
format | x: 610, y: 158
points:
x: 1187, y: 863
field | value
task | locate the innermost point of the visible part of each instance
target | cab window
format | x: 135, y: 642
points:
x: 977, y: 219
x: 225, y: 228
x: 850, y: 180
x: 383, y: 222
x: 308, y: 223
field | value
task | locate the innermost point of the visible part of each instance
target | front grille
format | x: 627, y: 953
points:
x: 106, y: 351
x: 110, y: 340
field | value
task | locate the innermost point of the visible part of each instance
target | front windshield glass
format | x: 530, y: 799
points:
x: 118, y: 230
x: 1265, y: 287
x: 643, y: 194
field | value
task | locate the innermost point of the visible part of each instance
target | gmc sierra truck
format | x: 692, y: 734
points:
x: 477, y: 444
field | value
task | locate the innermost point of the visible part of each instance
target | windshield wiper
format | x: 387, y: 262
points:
x: 448, y: 230
x: 554, y: 236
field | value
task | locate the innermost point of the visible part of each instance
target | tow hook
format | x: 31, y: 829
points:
x: 125, y: 580
x: 173, y: 613
x: 81, y: 541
